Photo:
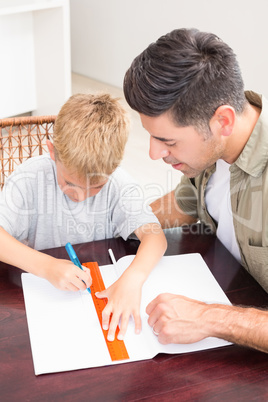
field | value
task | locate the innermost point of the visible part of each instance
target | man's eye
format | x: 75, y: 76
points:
x: 69, y: 184
x: 171, y: 145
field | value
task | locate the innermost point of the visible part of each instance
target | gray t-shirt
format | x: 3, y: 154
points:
x: 34, y: 210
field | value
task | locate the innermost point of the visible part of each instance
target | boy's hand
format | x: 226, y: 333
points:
x: 123, y: 302
x: 64, y: 275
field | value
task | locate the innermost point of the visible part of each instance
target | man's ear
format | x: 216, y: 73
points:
x: 51, y: 150
x: 223, y: 120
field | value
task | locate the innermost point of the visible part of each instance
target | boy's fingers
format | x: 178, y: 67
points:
x: 137, y: 319
x: 86, y: 277
x: 123, y: 327
x: 112, y: 327
x: 70, y: 286
x: 101, y: 295
x: 106, y: 313
x: 78, y: 284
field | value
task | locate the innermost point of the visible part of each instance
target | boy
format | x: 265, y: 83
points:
x: 77, y: 193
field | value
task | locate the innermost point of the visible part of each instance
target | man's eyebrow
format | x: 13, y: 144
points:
x: 163, y: 139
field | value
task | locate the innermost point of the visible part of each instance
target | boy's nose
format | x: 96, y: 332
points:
x: 157, y: 149
x: 77, y: 194
x: 84, y: 194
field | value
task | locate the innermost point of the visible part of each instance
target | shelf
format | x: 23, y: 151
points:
x: 35, y: 73
x: 8, y: 7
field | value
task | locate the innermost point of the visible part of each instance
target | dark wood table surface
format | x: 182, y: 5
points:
x: 230, y: 373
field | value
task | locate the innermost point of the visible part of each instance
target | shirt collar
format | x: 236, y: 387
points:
x: 254, y: 157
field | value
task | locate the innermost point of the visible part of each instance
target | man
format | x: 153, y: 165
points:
x: 188, y: 90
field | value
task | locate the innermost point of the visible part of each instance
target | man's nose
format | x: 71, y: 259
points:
x: 157, y: 149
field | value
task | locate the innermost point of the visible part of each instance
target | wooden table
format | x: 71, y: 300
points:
x: 231, y: 373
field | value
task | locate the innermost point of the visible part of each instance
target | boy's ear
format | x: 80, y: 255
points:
x: 224, y: 120
x: 51, y: 150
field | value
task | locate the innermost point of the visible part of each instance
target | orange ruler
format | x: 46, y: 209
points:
x: 116, y: 348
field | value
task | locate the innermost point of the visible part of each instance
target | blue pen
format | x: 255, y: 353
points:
x: 74, y: 258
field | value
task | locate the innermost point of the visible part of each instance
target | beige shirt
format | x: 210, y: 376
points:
x: 249, y: 197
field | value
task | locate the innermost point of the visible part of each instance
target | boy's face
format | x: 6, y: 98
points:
x: 76, y: 189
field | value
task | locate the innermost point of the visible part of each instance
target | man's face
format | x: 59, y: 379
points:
x: 76, y: 189
x: 182, y: 147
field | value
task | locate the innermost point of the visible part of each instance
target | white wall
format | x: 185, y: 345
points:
x: 107, y: 34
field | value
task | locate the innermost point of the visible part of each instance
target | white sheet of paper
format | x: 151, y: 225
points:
x: 64, y: 328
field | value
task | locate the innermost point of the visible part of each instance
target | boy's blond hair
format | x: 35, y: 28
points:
x: 90, y: 135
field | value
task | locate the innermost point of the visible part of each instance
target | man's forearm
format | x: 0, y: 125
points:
x: 243, y: 326
x: 168, y: 212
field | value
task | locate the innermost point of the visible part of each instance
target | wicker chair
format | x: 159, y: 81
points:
x: 20, y: 139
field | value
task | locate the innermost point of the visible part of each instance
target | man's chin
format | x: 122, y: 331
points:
x: 190, y: 173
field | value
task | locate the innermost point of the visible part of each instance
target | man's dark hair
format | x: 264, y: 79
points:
x: 188, y: 73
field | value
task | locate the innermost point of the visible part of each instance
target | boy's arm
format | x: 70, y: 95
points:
x: 178, y: 319
x: 125, y: 294
x: 63, y: 274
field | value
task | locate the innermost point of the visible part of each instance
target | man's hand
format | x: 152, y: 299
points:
x: 177, y: 319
